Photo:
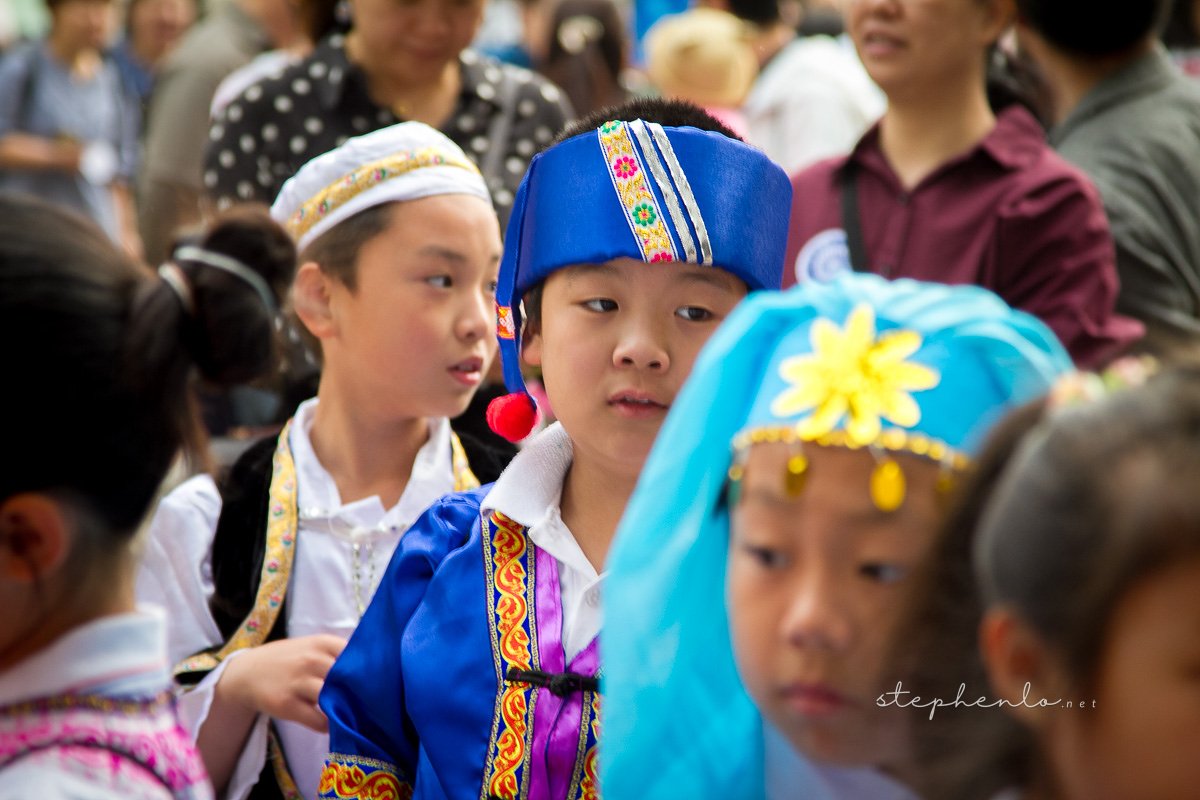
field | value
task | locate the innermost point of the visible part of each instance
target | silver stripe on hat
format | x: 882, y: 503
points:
x: 665, y: 189
x: 685, y: 191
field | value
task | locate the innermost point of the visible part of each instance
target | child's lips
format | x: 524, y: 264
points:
x: 814, y: 699
x: 468, y: 372
x: 637, y: 404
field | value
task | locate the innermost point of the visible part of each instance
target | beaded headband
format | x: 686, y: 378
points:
x: 368, y: 177
x: 878, y: 377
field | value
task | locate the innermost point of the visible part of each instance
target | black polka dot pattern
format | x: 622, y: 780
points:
x: 280, y: 123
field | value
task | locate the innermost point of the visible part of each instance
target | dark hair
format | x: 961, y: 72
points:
x: 320, y: 18
x: 1183, y: 28
x: 1016, y: 80
x: 671, y: 113
x: 100, y: 350
x: 1062, y: 516
x: 336, y: 250
x: 1103, y: 495
x: 1093, y: 28
x: 237, y: 320
x: 758, y: 12
x: 962, y: 753
x: 586, y: 53
x: 51, y: 5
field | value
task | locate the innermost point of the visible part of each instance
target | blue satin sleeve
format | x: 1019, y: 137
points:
x: 373, y: 741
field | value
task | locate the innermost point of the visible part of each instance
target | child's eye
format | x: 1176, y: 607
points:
x: 492, y: 286
x: 694, y: 313
x: 881, y: 572
x: 765, y: 557
x: 600, y: 304
x: 440, y: 281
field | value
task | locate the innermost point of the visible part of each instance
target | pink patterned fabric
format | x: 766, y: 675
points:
x: 127, y: 743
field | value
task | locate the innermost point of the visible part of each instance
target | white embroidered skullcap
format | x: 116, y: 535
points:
x: 407, y: 161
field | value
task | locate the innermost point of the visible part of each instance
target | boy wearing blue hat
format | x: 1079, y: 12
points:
x: 475, y: 671
x: 265, y: 577
x: 761, y: 568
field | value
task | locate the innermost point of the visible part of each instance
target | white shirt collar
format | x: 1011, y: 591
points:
x: 124, y: 654
x: 531, y: 485
x: 529, y: 491
x: 432, y: 476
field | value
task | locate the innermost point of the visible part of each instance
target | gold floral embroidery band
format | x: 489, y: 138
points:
x: 509, y: 570
x: 587, y: 771
x: 633, y: 192
x: 348, y: 776
x: 368, y: 177
x: 280, y: 551
x: 677, y: 197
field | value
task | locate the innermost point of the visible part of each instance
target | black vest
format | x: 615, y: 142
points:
x: 240, y: 541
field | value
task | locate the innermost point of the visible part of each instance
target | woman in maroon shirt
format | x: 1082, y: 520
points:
x: 946, y: 189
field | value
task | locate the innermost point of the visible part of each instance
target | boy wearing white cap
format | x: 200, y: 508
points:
x: 474, y: 673
x: 264, y: 578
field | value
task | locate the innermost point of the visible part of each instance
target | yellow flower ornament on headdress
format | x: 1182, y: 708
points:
x: 856, y: 374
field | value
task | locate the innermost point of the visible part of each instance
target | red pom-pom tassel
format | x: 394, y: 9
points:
x: 512, y: 416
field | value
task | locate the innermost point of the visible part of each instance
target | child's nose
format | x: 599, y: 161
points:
x: 816, y: 616
x: 641, y: 349
x: 477, y: 318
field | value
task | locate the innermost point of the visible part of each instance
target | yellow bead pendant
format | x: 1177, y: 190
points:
x: 797, y: 474
x: 887, y: 485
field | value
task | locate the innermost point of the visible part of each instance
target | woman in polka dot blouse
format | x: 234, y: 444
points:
x: 409, y: 63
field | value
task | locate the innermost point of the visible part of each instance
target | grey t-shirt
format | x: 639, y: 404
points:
x: 1137, y: 135
x: 39, y: 96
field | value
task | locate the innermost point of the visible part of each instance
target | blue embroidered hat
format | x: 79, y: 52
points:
x: 637, y: 190
x: 856, y: 362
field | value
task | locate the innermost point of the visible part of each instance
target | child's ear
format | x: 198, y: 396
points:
x: 1000, y: 16
x: 310, y: 297
x: 531, y: 345
x: 35, y: 534
x: 1020, y: 667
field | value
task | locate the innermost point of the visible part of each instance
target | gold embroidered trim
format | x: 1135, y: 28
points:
x: 464, y: 478
x: 368, y: 177
x: 893, y: 439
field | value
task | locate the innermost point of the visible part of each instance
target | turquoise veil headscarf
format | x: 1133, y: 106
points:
x: 677, y: 721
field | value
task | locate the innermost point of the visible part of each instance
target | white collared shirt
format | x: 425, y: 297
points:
x: 529, y: 491
x: 176, y: 573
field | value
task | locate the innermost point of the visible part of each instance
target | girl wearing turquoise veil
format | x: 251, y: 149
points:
x: 763, y: 563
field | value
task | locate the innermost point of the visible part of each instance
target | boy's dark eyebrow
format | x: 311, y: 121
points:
x: 709, y: 275
x: 582, y: 270
x: 447, y: 254
x: 698, y: 275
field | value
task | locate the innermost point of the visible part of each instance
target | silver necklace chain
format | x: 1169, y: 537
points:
x: 362, y: 551
x: 362, y: 598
